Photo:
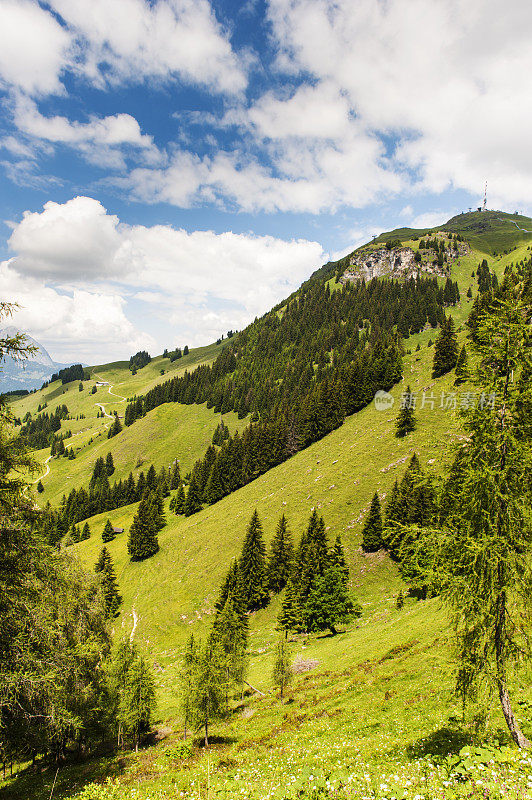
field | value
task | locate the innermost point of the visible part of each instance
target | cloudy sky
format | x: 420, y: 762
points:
x: 171, y: 169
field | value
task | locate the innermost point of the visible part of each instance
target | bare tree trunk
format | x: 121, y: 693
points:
x: 513, y: 725
x: 206, y: 732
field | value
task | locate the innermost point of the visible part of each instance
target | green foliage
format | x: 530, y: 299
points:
x: 253, y: 566
x: 193, y: 502
x: 405, y: 422
x: 461, y: 371
x: 329, y: 603
x: 282, y: 666
x: 290, y: 616
x: 204, y: 683
x: 445, y: 349
x: 108, y: 533
x: 143, y: 541
x: 372, y: 531
x: 115, y: 428
x: 281, y: 560
x: 104, y: 568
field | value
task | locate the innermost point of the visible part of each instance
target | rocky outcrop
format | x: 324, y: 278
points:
x: 397, y: 263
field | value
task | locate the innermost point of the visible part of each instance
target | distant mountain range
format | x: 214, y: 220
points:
x: 30, y: 373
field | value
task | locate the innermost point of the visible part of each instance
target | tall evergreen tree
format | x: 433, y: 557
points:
x: 115, y: 428
x: 180, y: 500
x: 329, y: 603
x: 337, y: 559
x: 289, y: 618
x: 445, y: 349
x: 281, y: 561
x: 253, y: 566
x: 461, y: 371
x: 193, y: 501
x: 86, y: 532
x: 405, y: 422
x: 143, y: 541
x: 105, y: 569
x: 372, y: 531
x: 108, y: 533
x: 109, y: 464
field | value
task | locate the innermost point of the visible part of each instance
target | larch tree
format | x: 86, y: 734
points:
x: 482, y: 559
x: 282, y: 667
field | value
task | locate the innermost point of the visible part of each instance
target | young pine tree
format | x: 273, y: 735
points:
x: 253, y: 567
x: 207, y: 696
x: 372, y: 531
x: 445, y: 349
x: 282, y: 668
x: 143, y: 541
x: 405, y: 422
x: 281, y: 561
x: 461, y: 371
x: 108, y: 533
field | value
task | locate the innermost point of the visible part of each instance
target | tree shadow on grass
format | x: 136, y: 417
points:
x: 215, y: 741
x: 441, y: 743
x: 71, y: 777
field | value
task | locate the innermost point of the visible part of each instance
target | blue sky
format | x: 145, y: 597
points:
x: 171, y: 169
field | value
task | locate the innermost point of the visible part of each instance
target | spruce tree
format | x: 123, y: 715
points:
x: 143, y: 541
x: 108, y: 533
x: 193, y: 500
x: 253, y: 566
x: 115, y: 428
x: 281, y: 560
x: 289, y: 618
x: 282, y: 668
x: 337, y: 559
x: 109, y: 464
x: 445, y: 349
x: 40, y: 487
x: 105, y: 569
x: 405, y: 422
x: 329, y: 603
x: 86, y: 532
x: 175, y: 476
x: 180, y: 500
x: 372, y: 531
x: 461, y: 371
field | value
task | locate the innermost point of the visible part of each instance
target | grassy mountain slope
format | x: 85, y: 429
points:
x: 489, y: 232
x: 376, y: 695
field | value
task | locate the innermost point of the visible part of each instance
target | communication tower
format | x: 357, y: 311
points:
x: 484, y: 206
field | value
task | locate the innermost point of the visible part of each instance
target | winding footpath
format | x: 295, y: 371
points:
x: 516, y: 225
x: 101, y: 406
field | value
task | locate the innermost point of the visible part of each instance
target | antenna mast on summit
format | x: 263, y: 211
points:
x: 484, y: 207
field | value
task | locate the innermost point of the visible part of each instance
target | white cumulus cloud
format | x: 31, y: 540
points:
x: 73, y: 258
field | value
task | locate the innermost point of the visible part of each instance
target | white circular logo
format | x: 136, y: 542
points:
x: 383, y: 400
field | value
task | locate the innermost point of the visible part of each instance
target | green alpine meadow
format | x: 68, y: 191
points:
x: 292, y: 564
